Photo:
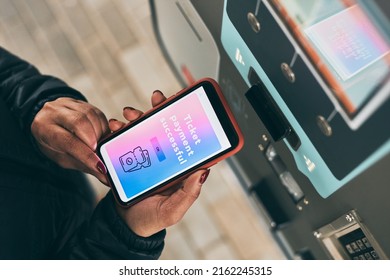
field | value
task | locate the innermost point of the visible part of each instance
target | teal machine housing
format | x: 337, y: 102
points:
x: 308, y: 159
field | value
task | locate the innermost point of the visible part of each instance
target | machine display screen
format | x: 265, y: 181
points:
x: 349, y: 41
x: 349, y: 45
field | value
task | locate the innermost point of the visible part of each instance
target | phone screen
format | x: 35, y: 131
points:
x: 172, y: 140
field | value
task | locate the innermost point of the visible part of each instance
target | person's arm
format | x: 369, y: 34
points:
x: 107, y: 236
x: 136, y: 232
x: 55, y: 117
x: 46, y: 108
x: 26, y: 90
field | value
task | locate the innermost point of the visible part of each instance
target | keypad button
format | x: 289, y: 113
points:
x: 368, y: 256
x: 361, y: 257
x: 366, y: 242
x: 374, y: 255
x: 360, y: 244
x: 349, y: 249
x: 355, y: 247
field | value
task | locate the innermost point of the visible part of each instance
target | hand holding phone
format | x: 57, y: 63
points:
x: 165, y: 209
x: 192, y: 130
x: 162, y: 210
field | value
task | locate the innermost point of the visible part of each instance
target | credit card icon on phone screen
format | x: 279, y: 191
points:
x: 157, y: 149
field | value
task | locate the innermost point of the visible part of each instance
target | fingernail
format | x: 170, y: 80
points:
x: 113, y: 120
x: 128, y: 108
x: 100, y: 166
x: 204, y: 176
x: 157, y: 91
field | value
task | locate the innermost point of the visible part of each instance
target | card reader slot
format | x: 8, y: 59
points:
x: 269, y: 112
x: 263, y: 192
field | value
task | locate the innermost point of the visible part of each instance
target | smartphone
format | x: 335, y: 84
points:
x: 191, y: 130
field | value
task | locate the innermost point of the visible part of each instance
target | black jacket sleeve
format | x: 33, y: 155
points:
x: 106, y: 236
x: 59, y: 223
x: 25, y: 90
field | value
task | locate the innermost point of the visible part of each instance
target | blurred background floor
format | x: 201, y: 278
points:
x: 106, y: 49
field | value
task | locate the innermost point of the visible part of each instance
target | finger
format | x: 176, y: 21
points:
x: 157, y: 98
x: 96, y: 117
x: 103, y: 122
x: 180, y: 201
x: 68, y: 161
x: 115, y: 125
x: 66, y: 143
x: 77, y: 123
x: 193, y: 183
x: 99, y: 124
x: 131, y: 114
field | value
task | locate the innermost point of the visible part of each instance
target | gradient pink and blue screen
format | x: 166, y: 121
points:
x: 167, y: 143
x: 351, y: 43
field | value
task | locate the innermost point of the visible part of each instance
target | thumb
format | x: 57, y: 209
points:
x: 193, y: 184
x: 184, y: 197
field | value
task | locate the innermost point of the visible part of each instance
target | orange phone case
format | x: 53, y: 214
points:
x: 206, y: 165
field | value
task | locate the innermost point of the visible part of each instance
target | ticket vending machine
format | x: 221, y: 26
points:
x: 310, y: 86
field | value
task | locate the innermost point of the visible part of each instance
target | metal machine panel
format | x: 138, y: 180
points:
x: 298, y: 212
x: 325, y: 155
x: 182, y: 32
